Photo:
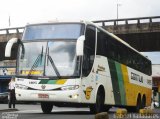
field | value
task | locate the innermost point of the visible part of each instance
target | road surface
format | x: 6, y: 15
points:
x: 33, y: 111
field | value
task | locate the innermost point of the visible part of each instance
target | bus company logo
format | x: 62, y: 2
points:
x: 87, y: 92
x: 43, y: 87
x: 136, y: 77
x: 100, y: 68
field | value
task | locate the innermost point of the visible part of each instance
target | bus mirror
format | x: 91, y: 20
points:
x: 9, y: 46
x: 80, y: 46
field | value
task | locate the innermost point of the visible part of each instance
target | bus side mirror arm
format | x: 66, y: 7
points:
x: 10, y: 44
x: 80, y: 46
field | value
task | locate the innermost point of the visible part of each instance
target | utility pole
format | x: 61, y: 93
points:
x: 118, y: 10
x: 9, y: 21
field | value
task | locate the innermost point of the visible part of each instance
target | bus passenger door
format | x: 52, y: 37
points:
x: 88, y: 75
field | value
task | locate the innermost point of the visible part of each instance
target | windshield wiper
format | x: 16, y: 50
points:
x: 36, y: 63
x: 54, y: 66
x: 39, y: 60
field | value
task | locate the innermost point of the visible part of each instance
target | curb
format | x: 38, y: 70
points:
x: 8, y: 110
x: 146, y: 112
x: 102, y: 115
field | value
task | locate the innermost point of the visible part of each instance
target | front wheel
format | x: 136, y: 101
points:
x: 99, y: 106
x: 46, y: 107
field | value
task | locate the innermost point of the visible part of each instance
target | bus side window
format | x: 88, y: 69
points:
x: 101, y: 43
x: 89, y: 50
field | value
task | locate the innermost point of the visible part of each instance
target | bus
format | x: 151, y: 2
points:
x: 79, y: 64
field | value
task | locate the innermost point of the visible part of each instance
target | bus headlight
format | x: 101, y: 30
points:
x: 70, y: 87
x: 75, y: 96
x: 19, y: 86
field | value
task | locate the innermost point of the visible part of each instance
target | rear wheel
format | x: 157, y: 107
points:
x: 46, y: 107
x: 143, y: 103
x: 137, y: 107
x: 99, y: 106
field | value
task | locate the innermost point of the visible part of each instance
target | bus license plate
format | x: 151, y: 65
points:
x: 43, y: 96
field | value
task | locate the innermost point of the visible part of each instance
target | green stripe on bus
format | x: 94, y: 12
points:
x: 51, y: 82
x: 115, y: 83
x: 43, y: 81
x: 47, y: 81
x: 121, y: 83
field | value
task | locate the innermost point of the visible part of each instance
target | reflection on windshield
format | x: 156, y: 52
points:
x: 63, y: 55
x: 48, y: 58
x: 33, y: 58
x: 38, y: 62
x: 54, y: 66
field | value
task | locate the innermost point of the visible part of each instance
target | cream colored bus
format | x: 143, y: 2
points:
x: 79, y: 64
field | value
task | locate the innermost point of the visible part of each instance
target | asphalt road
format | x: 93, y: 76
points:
x: 30, y: 111
x: 34, y: 112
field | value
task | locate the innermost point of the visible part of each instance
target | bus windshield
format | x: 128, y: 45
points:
x: 48, y: 58
x: 49, y: 50
x: 52, y: 31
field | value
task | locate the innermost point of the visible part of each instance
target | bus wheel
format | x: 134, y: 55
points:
x: 99, y: 106
x: 143, y: 103
x: 139, y: 105
x: 46, y: 107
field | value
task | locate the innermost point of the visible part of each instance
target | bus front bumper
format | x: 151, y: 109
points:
x: 51, y: 96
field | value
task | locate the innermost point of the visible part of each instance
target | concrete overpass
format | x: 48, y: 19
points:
x: 141, y: 33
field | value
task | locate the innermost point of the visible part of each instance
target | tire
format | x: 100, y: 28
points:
x: 130, y: 109
x: 92, y: 109
x: 107, y: 108
x: 99, y: 106
x: 137, y: 107
x: 46, y: 107
x: 143, y: 103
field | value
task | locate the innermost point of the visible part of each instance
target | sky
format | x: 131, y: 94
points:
x: 22, y: 12
x: 153, y: 56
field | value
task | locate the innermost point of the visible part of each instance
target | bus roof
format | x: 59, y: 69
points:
x: 54, y: 22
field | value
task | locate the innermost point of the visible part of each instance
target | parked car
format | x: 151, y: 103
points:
x: 4, y: 97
